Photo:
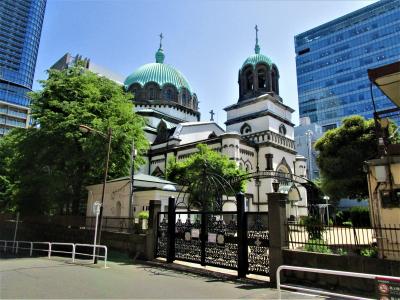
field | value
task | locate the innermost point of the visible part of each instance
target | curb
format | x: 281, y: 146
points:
x: 204, y: 273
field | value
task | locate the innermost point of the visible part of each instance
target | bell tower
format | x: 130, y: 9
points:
x: 258, y: 75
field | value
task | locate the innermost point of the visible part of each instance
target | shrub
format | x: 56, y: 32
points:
x: 341, y: 216
x: 317, y: 245
x: 144, y: 215
x: 341, y: 251
x: 314, y: 227
x: 348, y: 223
x: 369, y: 252
x: 302, y: 220
x: 359, y: 216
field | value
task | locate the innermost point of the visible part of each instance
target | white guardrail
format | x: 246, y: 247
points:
x: 331, y: 272
x: 28, y: 245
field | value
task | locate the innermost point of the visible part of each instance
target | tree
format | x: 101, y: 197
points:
x: 45, y: 168
x: 206, y: 174
x: 342, y: 153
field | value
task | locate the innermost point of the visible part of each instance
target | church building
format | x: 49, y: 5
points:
x: 259, y: 133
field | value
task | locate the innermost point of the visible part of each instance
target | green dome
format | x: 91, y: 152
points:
x: 160, y: 73
x: 256, y: 59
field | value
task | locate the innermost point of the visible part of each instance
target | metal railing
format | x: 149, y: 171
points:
x: 330, y: 272
x: 93, y: 255
x: 342, y: 239
x: 16, y: 246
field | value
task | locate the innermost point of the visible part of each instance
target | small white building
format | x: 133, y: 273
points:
x: 118, y: 193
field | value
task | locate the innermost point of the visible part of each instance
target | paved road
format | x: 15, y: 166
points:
x: 43, y: 278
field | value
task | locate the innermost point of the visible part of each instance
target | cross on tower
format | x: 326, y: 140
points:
x: 161, y: 37
x: 212, y: 113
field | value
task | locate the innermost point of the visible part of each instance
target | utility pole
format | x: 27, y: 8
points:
x: 131, y: 190
x: 309, y: 134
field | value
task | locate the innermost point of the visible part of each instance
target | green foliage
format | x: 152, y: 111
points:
x: 144, y: 215
x: 314, y: 227
x: 342, y: 152
x: 317, y: 245
x: 45, y: 169
x: 369, y: 252
x: 206, y: 173
x: 357, y: 216
x: 341, y: 251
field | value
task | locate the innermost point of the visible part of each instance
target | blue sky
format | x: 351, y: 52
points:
x: 207, y: 41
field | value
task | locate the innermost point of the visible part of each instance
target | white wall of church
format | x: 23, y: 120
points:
x: 260, y: 106
x: 170, y: 111
x: 279, y: 110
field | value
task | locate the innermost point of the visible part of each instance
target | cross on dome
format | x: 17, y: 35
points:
x: 257, y: 47
x: 161, y: 37
x: 160, y: 53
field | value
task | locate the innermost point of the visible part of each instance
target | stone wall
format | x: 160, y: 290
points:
x: 361, y: 264
x: 133, y: 244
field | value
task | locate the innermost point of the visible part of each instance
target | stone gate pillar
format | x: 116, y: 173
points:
x: 151, y: 238
x: 277, y: 232
x: 171, y: 230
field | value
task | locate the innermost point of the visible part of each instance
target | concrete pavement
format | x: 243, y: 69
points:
x: 44, y: 279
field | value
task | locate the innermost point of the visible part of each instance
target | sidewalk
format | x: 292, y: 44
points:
x: 41, y: 278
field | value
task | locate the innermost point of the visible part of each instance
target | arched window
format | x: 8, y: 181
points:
x: 262, y: 78
x: 282, y: 129
x: 249, y: 80
x: 152, y: 94
x: 136, y: 90
x: 284, y: 167
x: 169, y: 93
x: 152, y: 91
x: 184, y: 99
x: 273, y: 78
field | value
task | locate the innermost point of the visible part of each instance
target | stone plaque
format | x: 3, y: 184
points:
x: 220, y: 239
x: 212, y: 237
x: 195, y: 233
x: 188, y: 236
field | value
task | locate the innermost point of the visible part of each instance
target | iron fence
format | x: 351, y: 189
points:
x: 382, y: 242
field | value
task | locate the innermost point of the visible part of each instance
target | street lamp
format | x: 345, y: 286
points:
x: 87, y: 129
x: 275, y: 186
x: 326, y: 198
x: 309, y: 133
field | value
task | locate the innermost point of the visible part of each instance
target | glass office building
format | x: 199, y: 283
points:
x: 20, y: 29
x: 332, y: 62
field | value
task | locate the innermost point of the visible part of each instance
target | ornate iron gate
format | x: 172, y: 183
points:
x: 258, y: 242
x: 212, y: 238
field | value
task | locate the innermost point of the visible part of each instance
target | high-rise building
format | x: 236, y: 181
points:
x: 332, y: 62
x: 305, y: 136
x: 67, y: 60
x: 20, y: 29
